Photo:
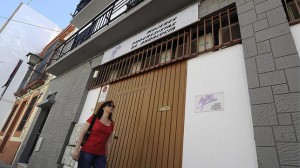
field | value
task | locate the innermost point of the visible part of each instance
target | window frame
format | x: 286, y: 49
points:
x: 180, y: 43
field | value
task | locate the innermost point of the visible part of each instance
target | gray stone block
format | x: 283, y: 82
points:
x: 285, y: 119
x: 231, y: 1
x: 296, y: 121
x: 289, y: 153
x: 267, y: 157
x: 265, y: 63
x: 263, y: 47
x: 203, y: 12
x: 284, y: 133
x: 259, y: 1
x: 206, y: 3
x: 287, y: 61
x: 276, y: 16
x: 283, y: 45
x: 264, y: 136
x: 261, y: 25
x: 272, y: 32
x: 293, y: 78
x: 261, y: 16
x: 247, y: 17
x: 245, y: 7
x: 280, y: 89
x: 213, y: 7
x: 264, y: 115
x: 249, y: 47
x: 267, y: 5
x: 261, y: 95
x: 239, y: 2
x: 71, y: 93
x: 223, y: 3
x: 287, y: 102
x: 272, y: 78
x: 247, y: 31
x: 252, y: 75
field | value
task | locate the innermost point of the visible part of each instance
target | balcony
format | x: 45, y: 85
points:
x: 32, y: 80
x: 115, y: 23
x: 22, y: 88
x: 36, y: 77
x: 80, y: 6
x: 86, y: 11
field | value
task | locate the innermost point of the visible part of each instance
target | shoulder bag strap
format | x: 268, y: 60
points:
x: 92, y: 123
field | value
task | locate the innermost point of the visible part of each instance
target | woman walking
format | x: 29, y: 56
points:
x: 97, y: 146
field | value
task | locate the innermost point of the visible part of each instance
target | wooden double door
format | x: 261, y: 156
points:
x: 149, y: 119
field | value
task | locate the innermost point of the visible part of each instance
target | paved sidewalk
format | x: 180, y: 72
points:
x: 4, y: 165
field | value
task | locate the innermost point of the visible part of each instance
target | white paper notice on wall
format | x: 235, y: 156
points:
x: 103, y: 93
x: 38, y: 144
x: 209, y: 102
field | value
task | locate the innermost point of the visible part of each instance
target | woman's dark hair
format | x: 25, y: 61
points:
x: 101, y: 111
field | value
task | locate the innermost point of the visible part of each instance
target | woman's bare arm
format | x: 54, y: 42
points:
x: 109, y: 144
x: 84, y: 129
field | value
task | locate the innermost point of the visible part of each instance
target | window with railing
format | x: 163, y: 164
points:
x: 103, y: 19
x: 9, y: 118
x: 36, y: 78
x: 292, y: 10
x: 217, y: 31
x: 27, y: 114
x: 25, y: 80
x: 39, y: 71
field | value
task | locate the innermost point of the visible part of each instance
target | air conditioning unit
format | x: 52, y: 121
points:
x: 224, y: 35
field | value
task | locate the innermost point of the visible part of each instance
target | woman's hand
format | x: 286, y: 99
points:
x: 75, y: 155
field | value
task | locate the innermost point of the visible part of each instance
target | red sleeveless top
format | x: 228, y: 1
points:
x: 96, y: 143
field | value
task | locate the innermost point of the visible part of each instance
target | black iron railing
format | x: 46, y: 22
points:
x: 39, y: 72
x: 80, y: 6
x: 104, y: 18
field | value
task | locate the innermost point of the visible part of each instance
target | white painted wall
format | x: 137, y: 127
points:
x: 219, y: 139
x: 89, y: 105
x: 296, y: 35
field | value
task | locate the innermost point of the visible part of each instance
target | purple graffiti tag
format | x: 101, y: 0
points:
x: 205, y: 100
x: 115, y: 51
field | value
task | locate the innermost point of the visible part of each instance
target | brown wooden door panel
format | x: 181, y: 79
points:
x: 12, y: 125
x: 146, y: 137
